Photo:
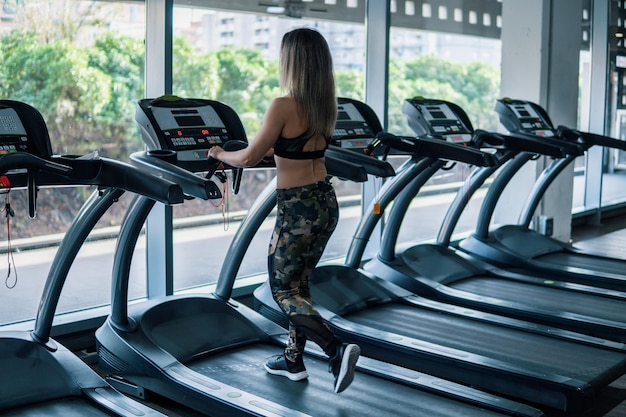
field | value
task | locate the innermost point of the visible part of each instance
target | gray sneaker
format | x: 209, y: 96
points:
x: 279, y: 365
x: 343, y: 364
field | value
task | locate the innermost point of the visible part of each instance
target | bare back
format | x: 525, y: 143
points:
x: 298, y: 172
x: 281, y: 120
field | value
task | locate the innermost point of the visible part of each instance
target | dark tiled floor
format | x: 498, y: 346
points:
x: 608, y: 238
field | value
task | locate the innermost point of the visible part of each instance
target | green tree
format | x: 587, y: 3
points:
x: 55, y: 78
x: 85, y: 92
x: 53, y: 20
x: 194, y: 74
x: 242, y: 78
x: 87, y: 89
x: 351, y: 84
x: 473, y: 86
x: 122, y: 59
x: 243, y: 73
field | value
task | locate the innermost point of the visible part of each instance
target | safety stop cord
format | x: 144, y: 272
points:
x: 8, y: 213
x: 224, y: 201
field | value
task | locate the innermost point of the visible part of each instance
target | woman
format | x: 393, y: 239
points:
x: 296, y: 130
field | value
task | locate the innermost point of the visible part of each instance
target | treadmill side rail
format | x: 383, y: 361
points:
x: 227, y: 394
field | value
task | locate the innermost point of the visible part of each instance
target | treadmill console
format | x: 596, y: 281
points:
x: 13, y: 137
x: 356, y: 126
x: 15, y: 117
x: 438, y: 118
x: 24, y: 131
x: 190, y: 127
x: 519, y: 116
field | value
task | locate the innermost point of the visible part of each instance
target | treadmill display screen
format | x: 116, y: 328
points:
x: 528, y: 119
x: 189, y: 120
x: 351, y: 129
x: 193, y: 128
x: 13, y: 137
x: 436, y: 118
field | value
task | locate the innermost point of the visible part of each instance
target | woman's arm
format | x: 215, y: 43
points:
x: 261, y: 145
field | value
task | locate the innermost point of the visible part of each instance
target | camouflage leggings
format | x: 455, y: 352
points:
x: 306, y: 218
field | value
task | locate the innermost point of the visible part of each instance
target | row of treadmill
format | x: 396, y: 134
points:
x: 505, y: 322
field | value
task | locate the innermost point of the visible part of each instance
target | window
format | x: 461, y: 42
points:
x: 243, y: 74
x: 457, y: 68
x: 83, y: 71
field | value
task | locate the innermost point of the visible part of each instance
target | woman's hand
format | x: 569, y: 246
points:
x: 215, y: 152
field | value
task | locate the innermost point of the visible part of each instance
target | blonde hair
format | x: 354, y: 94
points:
x: 306, y: 73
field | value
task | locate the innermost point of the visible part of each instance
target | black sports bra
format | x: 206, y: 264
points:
x: 293, y: 148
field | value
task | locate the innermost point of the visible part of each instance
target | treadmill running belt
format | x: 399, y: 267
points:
x: 367, y: 396
x: 533, y: 352
x: 554, y: 299
x: 579, y: 260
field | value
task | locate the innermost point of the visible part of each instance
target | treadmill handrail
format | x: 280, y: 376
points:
x: 437, y: 148
x: 28, y: 161
x: 513, y: 146
x: 129, y: 178
x: 528, y: 143
x: 491, y: 139
x: 63, y: 170
x: 592, y: 138
x: 192, y: 184
x: 346, y: 170
x: 550, y: 173
x: 119, y: 174
x: 372, y: 165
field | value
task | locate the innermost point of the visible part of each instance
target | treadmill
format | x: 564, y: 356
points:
x: 441, y: 272
x: 520, y: 248
x: 41, y: 377
x: 208, y: 351
x: 542, y: 365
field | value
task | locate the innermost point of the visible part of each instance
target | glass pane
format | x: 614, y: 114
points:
x: 578, y: 196
x: 614, y: 170
x: 464, y: 70
x: 614, y: 164
x: 609, y: 186
x: 83, y: 70
x: 233, y: 58
x: 425, y: 215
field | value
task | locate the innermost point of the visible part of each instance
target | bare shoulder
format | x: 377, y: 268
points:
x: 281, y: 112
x: 283, y: 104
